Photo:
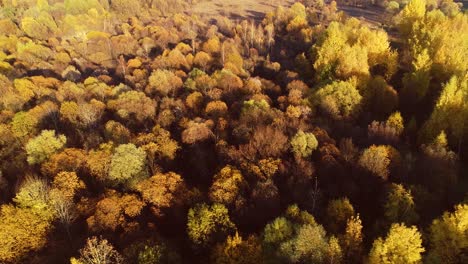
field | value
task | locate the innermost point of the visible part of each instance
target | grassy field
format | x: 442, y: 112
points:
x: 242, y: 9
x: 256, y: 9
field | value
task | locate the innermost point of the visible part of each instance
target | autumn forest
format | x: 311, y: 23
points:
x: 156, y: 131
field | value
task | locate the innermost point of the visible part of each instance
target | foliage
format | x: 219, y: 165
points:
x: 237, y: 250
x: 350, y: 49
x: 449, y: 237
x: 40, y: 148
x: 303, y: 144
x: 401, y: 245
x: 115, y: 211
x: 450, y: 111
x: 207, y: 224
x: 99, y: 251
x: 163, y: 82
x: 376, y: 159
x: 23, y: 230
x: 196, y: 132
x: 128, y: 166
x: 168, y: 129
x: 340, y: 100
x: 133, y: 105
x: 296, y: 238
x: 400, y: 207
x: 163, y: 190
x: 227, y: 186
x: 352, y: 239
x: 339, y: 212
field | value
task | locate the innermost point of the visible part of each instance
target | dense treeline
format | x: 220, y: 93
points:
x: 131, y: 132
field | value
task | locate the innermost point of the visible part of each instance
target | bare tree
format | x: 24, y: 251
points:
x: 65, y: 213
x: 99, y: 251
x: 270, y: 30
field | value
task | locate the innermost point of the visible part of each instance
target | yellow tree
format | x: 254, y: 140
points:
x: 376, y: 159
x: 402, y: 245
x: 449, y: 237
x: 128, y: 166
x: 340, y: 100
x: 133, y: 106
x: 163, y: 82
x: 351, y: 240
x: 43, y: 146
x: 413, y: 11
x: 237, y: 250
x: 22, y: 230
x: 207, y: 224
x: 450, y: 112
x: 400, y: 206
x: 228, y: 185
x: 339, y: 211
x: 303, y: 144
x: 163, y: 191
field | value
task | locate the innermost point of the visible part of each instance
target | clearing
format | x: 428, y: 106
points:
x: 256, y: 9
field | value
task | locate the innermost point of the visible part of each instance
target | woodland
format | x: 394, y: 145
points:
x: 138, y: 132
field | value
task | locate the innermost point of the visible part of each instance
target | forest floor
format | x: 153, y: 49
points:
x: 256, y: 9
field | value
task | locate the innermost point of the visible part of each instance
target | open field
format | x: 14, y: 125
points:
x: 256, y: 9
x: 244, y: 9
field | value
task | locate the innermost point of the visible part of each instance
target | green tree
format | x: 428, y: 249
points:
x: 34, y: 194
x: 303, y: 144
x: 416, y: 83
x: 335, y: 253
x: 278, y: 231
x: 207, y: 224
x: 237, y: 250
x: 308, y: 245
x: 395, y: 121
x: 448, y: 237
x: 296, y: 238
x: 163, y: 82
x: 402, y: 245
x: 40, y: 148
x: 133, y: 105
x: 41, y: 27
x: 412, y: 12
x: 450, y: 112
x: 128, y: 166
x: 340, y: 100
x: 400, y: 206
x: 24, y: 124
x: 33, y: 56
x: 339, y: 211
x: 152, y: 251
